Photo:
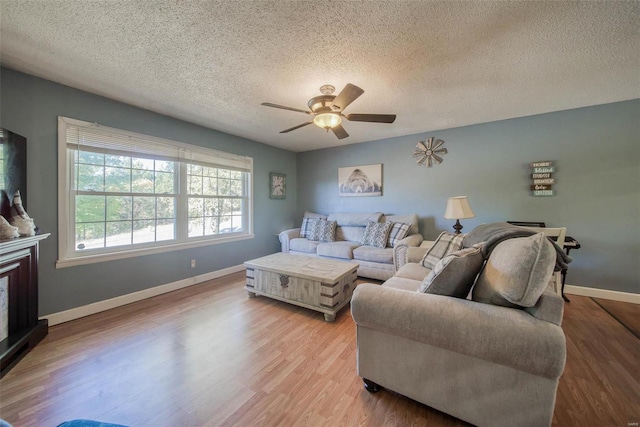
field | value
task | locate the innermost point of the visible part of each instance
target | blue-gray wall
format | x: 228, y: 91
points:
x: 596, y: 151
x: 30, y: 106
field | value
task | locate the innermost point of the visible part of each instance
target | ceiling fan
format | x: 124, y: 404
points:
x: 327, y: 109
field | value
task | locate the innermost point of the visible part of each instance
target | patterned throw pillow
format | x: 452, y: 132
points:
x: 443, y: 246
x: 398, y: 232
x: 307, y: 224
x: 323, y: 231
x: 376, y: 234
x: 455, y: 274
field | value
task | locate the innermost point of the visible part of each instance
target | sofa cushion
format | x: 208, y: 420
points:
x: 414, y: 271
x: 337, y: 249
x: 369, y: 253
x: 443, y: 246
x: 454, y: 274
x: 354, y: 219
x: 517, y: 272
x: 376, y: 234
x: 307, y: 226
x: 308, y: 214
x: 323, y: 231
x: 411, y: 219
x: 301, y: 244
x: 399, y: 231
x: 401, y: 283
x: 350, y: 233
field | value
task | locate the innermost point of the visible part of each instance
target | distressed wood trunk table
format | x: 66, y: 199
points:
x: 318, y: 284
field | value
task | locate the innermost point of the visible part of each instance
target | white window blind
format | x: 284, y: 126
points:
x: 93, y: 137
x: 123, y: 193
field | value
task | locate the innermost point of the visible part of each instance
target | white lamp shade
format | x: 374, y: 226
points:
x: 458, y: 208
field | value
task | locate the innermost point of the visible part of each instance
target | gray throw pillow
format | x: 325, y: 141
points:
x: 454, y: 274
x: 398, y: 231
x: 307, y: 225
x: 445, y: 244
x: 323, y: 231
x: 517, y: 272
x: 376, y: 234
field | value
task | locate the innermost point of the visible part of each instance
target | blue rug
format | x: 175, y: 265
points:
x: 88, y: 423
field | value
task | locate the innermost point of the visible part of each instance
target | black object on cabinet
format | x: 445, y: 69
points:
x: 13, y: 170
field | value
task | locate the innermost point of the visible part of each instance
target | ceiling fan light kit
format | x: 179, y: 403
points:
x: 327, y: 108
x: 327, y: 120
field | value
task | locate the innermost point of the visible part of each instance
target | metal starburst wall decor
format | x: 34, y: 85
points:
x: 427, y: 151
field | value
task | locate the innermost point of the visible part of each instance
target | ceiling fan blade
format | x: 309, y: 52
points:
x: 373, y: 118
x: 339, y: 132
x: 295, y: 127
x: 349, y: 94
x: 268, y: 104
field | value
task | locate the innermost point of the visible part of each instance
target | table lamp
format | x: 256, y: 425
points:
x: 458, y: 208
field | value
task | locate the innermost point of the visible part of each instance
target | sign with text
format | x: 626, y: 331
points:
x: 542, y: 178
x: 540, y: 175
x: 541, y: 187
x: 541, y: 164
x: 544, y: 181
x: 546, y: 169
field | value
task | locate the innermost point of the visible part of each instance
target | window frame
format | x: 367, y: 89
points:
x: 68, y: 255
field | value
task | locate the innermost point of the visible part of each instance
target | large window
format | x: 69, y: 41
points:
x: 124, y: 194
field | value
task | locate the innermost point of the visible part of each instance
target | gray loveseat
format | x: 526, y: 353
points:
x: 374, y: 263
x: 487, y: 364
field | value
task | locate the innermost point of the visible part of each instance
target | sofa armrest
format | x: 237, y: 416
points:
x: 286, y: 236
x: 403, y: 254
x: 411, y: 240
x: 501, y: 335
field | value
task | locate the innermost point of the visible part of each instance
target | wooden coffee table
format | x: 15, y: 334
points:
x: 318, y: 284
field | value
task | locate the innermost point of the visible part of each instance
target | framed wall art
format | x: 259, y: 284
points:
x: 277, y: 185
x: 358, y: 181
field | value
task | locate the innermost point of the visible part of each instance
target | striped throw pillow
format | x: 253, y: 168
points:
x: 307, y: 225
x: 399, y: 231
x: 445, y: 244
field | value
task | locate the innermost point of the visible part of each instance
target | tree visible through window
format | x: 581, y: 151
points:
x: 123, y: 200
x: 215, y: 200
x: 132, y: 191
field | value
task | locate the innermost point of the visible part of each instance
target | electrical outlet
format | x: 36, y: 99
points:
x: 193, y: 263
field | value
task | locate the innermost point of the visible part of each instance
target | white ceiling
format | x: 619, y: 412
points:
x: 436, y: 64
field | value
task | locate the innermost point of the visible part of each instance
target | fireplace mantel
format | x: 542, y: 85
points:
x: 19, y: 275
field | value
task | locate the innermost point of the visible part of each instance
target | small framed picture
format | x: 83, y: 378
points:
x: 277, y: 185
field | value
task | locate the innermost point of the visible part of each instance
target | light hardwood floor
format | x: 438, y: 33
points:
x: 208, y: 355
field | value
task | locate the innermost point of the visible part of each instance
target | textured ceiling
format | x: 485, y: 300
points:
x: 435, y: 64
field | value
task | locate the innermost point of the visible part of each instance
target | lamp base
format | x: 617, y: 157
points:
x: 457, y: 226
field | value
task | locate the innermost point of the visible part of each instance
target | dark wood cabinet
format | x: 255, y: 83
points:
x: 20, y: 329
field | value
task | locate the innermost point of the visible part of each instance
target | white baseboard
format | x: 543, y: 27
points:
x: 97, y: 307
x: 602, y: 293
